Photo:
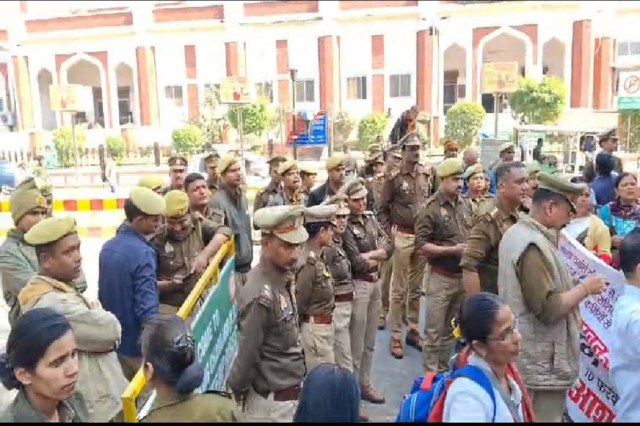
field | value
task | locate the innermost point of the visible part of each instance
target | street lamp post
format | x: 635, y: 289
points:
x: 294, y: 73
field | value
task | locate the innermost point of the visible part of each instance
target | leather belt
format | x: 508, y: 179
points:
x: 288, y: 394
x: 324, y: 319
x: 405, y: 230
x: 346, y: 297
x: 444, y: 272
x: 371, y: 277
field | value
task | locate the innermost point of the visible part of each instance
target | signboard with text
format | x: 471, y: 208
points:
x: 70, y: 98
x: 629, y: 90
x: 312, y: 132
x: 215, y: 331
x: 235, y: 90
x: 500, y: 77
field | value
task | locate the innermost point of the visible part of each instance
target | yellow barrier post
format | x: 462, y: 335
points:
x: 209, y: 277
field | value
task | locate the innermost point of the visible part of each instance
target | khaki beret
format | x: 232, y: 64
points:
x: 354, y: 189
x: 611, y: 133
x: 473, y: 170
x: 308, y: 169
x: 226, y: 161
x: 212, y: 156
x: 24, y: 200
x: 277, y: 159
x: 374, y: 148
x: 287, y: 166
x: 449, y: 167
x: 531, y: 168
x: 570, y: 191
x: 338, y: 159
x: 374, y: 158
x: 339, y: 200
x: 505, y: 146
x: 178, y: 161
x: 176, y: 204
x: 50, y: 230
x: 42, y: 185
x: 285, y: 222
x: 154, y: 183
x: 147, y: 201
x: 450, y: 145
x: 320, y: 213
x: 410, y: 139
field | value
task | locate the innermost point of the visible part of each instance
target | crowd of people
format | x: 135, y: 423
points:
x: 339, y: 261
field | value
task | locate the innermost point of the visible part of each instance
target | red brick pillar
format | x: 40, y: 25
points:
x: 580, y: 64
x: 147, y: 86
x: 284, y: 94
x: 234, y: 53
x: 192, y: 83
x: 602, y: 85
x: 377, y: 67
x: 326, y: 61
x: 424, y: 70
x: 23, y: 92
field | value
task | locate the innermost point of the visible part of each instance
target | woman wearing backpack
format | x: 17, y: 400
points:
x: 493, y: 342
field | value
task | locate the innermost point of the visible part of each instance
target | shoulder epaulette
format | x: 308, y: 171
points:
x: 430, y: 200
x: 392, y: 174
x: 368, y: 213
x: 311, y: 258
x: 265, y: 297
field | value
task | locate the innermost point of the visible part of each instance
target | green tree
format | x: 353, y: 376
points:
x: 115, y: 146
x: 369, y: 128
x: 256, y: 118
x: 63, y: 143
x: 187, y: 140
x: 629, y: 129
x: 464, y: 121
x: 343, y: 124
x: 538, y: 103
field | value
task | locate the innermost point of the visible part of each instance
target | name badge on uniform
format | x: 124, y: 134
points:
x: 168, y: 248
x: 443, y: 211
x: 326, y: 273
x: 283, y: 302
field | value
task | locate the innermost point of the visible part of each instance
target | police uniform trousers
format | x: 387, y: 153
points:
x: 260, y: 409
x: 364, y: 325
x: 386, y: 273
x: 342, y: 335
x: 444, y: 296
x: 548, y: 405
x: 408, y: 271
x: 317, y: 341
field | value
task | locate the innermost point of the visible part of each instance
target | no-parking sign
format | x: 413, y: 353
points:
x: 629, y: 90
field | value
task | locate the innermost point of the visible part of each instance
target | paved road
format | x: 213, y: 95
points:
x: 390, y: 376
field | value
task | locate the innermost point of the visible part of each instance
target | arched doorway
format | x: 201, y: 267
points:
x: 45, y: 80
x: 553, y: 58
x: 455, y: 76
x: 88, y: 73
x: 504, y: 47
x: 126, y: 94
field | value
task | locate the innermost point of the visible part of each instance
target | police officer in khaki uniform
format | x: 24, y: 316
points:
x: 441, y: 228
x: 289, y: 193
x: 477, y: 184
x: 177, y: 172
x: 184, y: 245
x: 404, y: 192
x: 154, y: 183
x: 366, y: 245
x: 172, y: 369
x: 336, y: 166
x: 315, y: 288
x: 480, y: 258
x: 532, y: 170
x: 211, y: 166
x: 264, y: 197
x: 308, y: 175
x: 269, y: 367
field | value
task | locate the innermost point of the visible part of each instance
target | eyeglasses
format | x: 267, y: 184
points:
x: 508, y: 333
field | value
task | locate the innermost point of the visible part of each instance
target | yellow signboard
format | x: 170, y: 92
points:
x: 500, y: 77
x: 70, y: 98
x: 235, y: 90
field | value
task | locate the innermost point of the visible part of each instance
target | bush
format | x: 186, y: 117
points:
x: 538, y: 103
x: 464, y: 121
x: 63, y: 143
x: 343, y: 125
x: 256, y: 118
x: 187, y: 140
x: 370, y: 127
x: 115, y: 146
